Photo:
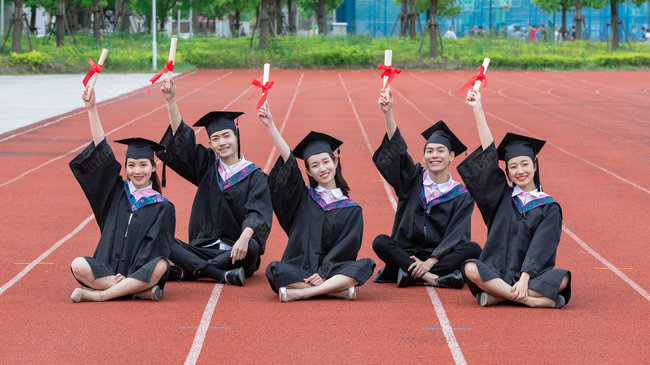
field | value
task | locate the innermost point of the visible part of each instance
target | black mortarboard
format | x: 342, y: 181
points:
x: 140, y: 147
x: 314, y: 143
x: 216, y: 121
x: 440, y: 133
x: 514, y: 145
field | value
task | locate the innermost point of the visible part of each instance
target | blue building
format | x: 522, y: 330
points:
x: 376, y: 18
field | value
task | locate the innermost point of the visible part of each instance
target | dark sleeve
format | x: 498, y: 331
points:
x: 459, y: 228
x: 545, y: 241
x: 257, y: 209
x: 183, y: 155
x: 347, y: 244
x: 485, y: 181
x: 395, y: 164
x: 98, y: 173
x: 160, y: 235
x: 286, y: 186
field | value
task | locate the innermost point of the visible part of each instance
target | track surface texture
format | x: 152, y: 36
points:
x: 595, y: 164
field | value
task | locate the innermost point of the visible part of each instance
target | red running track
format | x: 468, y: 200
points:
x: 595, y: 164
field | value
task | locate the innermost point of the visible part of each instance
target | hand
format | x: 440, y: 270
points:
x: 473, y: 98
x: 88, y: 96
x: 168, y: 89
x: 419, y: 268
x: 386, y: 100
x: 117, y: 278
x: 520, y: 289
x: 314, y: 280
x: 264, y: 113
x: 239, y: 249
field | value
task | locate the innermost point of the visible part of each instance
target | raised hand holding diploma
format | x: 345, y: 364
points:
x: 93, y: 73
x: 477, y: 80
x: 389, y: 72
x: 169, y: 65
x: 265, y: 85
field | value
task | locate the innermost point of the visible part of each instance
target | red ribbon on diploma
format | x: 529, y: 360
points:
x: 480, y: 77
x: 388, y: 71
x: 265, y: 91
x: 94, y: 69
x: 169, y: 66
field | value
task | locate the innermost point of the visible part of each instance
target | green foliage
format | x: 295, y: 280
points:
x: 132, y: 52
x: 32, y: 59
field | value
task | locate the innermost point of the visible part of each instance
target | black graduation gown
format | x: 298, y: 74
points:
x: 323, y: 239
x: 218, y: 213
x: 131, y: 249
x: 520, y: 239
x: 432, y: 233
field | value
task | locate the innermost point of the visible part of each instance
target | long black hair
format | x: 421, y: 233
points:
x: 338, y: 177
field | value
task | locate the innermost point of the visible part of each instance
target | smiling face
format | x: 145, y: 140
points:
x: 437, y: 157
x: 322, y: 168
x: 224, y: 144
x: 139, y: 171
x: 521, y: 171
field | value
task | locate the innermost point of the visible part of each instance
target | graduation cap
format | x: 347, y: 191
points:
x: 218, y: 120
x: 440, y: 133
x: 514, y: 145
x: 140, y: 147
x: 314, y: 143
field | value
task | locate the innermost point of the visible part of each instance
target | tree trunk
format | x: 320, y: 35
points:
x: 18, y: 26
x: 195, y: 21
x: 233, y: 22
x: 122, y: 13
x: 292, y: 16
x: 563, y: 29
x: 403, y: 17
x: 612, y: 5
x: 279, y: 18
x: 433, y: 39
x: 60, y: 23
x: 263, y: 25
x: 578, y: 19
x: 32, y: 19
x: 413, y: 17
x: 321, y: 16
x: 96, y: 20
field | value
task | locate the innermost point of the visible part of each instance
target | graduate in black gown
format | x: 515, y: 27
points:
x: 324, y: 226
x: 432, y: 227
x: 231, y: 214
x: 136, y: 222
x: 524, y: 223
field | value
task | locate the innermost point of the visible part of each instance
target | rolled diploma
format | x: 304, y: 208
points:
x: 93, y: 78
x: 388, y: 59
x: 172, y: 56
x: 486, y: 62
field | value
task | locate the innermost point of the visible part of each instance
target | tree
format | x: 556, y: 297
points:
x: 553, y: 6
x: 263, y: 22
x: 291, y: 6
x: 17, y: 21
x: 321, y: 8
x: 435, y: 8
x: 234, y: 9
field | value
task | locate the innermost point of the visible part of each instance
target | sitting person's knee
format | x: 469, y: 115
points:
x: 78, y: 265
x: 471, y: 272
x: 379, y: 243
x: 253, y: 248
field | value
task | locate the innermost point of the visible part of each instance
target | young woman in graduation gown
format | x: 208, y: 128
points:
x: 231, y: 214
x: 524, y: 223
x: 432, y: 227
x: 324, y: 226
x: 136, y: 222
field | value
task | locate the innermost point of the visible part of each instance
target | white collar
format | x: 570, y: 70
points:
x: 337, y: 193
x: 241, y: 162
x: 429, y: 182
x: 132, y: 187
x: 535, y: 193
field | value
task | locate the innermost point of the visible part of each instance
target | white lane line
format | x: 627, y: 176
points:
x: 447, y: 330
x: 109, y: 133
x: 582, y: 243
x: 197, y: 345
x: 45, y: 254
x: 284, y: 123
x: 202, y: 329
x: 549, y: 143
x: 99, y: 105
x: 613, y: 268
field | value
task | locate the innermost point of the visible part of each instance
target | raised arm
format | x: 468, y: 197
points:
x: 386, y: 106
x: 96, y: 129
x: 474, y: 100
x: 264, y: 113
x: 169, y: 92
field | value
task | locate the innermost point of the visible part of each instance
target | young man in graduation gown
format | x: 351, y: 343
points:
x: 231, y: 214
x: 431, y: 232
